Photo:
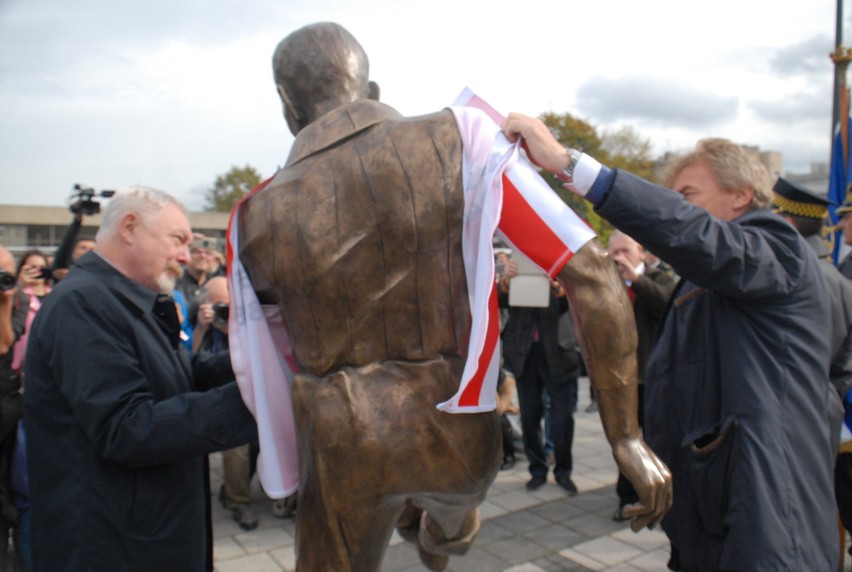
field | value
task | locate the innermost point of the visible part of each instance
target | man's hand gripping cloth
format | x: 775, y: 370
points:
x: 534, y: 220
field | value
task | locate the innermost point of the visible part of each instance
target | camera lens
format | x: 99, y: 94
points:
x: 7, y: 281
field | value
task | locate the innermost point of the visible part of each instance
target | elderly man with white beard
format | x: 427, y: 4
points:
x: 119, y: 420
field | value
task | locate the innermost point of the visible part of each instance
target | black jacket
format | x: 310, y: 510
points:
x: 119, y: 422
x: 650, y: 296
x: 517, y: 336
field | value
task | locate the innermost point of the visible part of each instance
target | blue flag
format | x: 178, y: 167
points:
x: 838, y: 181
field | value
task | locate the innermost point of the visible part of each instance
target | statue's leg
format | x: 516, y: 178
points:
x: 352, y: 540
x: 452, y: 532
x: 346, y: 516
x: 371, y: 439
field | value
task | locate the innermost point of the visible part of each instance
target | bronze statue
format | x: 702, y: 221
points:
x: 358, y: 241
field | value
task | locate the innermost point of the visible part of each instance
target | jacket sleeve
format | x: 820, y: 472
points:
x: 761, y: 259
x: 211, y: 370
x: 94, y: 363
x: 655, y: 292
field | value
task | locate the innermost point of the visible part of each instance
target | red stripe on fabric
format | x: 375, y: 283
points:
x: 532, y: 235
x: 471, y: 395
x: 229, y: 253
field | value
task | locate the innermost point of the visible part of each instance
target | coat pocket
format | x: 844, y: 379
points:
x: 710, y: 455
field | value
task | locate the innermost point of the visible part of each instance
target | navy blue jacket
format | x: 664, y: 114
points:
x: 118, y: 426
x: 736, y: 385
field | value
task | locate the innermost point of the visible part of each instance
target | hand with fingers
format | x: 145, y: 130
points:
x: 651, y: 479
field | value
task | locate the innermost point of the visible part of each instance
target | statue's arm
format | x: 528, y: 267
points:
x: 606, y: 332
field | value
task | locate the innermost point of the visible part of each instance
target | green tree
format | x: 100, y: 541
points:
x: 629, y: 151
x: 230, y: 188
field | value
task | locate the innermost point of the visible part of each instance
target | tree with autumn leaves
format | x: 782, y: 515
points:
x: 623, y: 148
x: 230, y: 188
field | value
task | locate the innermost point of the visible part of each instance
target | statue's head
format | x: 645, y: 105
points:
x: 318, y: 68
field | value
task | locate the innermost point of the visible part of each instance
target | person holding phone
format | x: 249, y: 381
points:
x: 33, y: 276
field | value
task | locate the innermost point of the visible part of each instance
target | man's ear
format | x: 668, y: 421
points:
x: 374, y: 91
x: 742, y: 198
x: 128, y: 228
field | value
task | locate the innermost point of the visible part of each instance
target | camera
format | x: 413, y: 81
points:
x: 83, y: 201
x: 7, y: 281
x: 45, y: 273
x: 220, y: 312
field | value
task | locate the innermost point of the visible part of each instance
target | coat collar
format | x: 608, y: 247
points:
x: 138, y: 295
x: 339, y: 124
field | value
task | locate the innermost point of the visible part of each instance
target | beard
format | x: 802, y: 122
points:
x: 168, y: 278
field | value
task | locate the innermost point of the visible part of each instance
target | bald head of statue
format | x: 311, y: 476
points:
x: 317, y: 69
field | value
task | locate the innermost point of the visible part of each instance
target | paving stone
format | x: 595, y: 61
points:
x: 261, y: 562
x: 608, y: 550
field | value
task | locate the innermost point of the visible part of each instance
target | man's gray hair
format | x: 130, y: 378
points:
x: 137, y: 199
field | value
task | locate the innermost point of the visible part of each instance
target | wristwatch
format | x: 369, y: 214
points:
x: 567, y: 174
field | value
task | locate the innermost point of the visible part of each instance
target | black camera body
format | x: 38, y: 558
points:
x: 7, y: 281
x: 83, y: 200
x: 220, y: 312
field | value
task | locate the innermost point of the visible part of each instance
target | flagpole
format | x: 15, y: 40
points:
x: 840, y: 112
x: 839, y: 78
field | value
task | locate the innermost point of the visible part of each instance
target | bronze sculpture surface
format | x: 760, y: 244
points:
x: 358, y: 241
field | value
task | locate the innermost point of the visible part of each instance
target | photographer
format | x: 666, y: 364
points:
x: 33, y: 275
x: 13, y: 320
x: 73, y: 246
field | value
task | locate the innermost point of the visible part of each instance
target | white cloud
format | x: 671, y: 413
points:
x: 173, y: 93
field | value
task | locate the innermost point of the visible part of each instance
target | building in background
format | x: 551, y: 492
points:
x: 26, y: 227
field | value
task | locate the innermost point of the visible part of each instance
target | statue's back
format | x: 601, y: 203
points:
x: 358, y: 240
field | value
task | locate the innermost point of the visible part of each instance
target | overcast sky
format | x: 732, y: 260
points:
x: 172, y: 93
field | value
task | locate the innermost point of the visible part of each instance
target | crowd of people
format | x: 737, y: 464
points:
x: 717, y: 326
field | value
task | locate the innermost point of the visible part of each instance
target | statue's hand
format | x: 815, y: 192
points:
x: 651, y: 479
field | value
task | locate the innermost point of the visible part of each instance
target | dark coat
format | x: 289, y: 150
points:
x: 840, y: 299
x: 650, y: 297
x: 845, y: 266
x: 11, y: 411
x: 118, y: 428
x: 517, y: 336
x: 735, y: 388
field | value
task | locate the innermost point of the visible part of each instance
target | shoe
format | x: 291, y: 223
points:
x: 286, y: 507
x: 593, y: 406
x: 508, y: 462
x: 619, y: 516
x: 566, y: 483
x: 244, y: 517
x: 536, y: 482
